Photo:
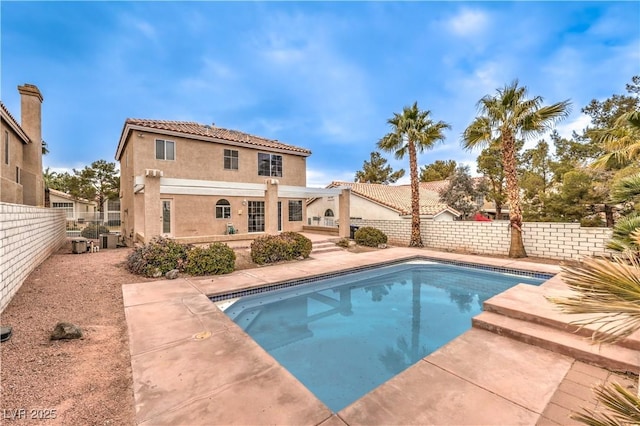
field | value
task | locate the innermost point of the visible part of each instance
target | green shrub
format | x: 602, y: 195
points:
x: 370, y: 237
x: 93, y: 231
x: 275, y: 248
x: 343, y: 242
x: 216, y: 259
x: 158, y: 257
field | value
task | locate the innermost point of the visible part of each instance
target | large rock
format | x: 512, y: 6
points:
x: 66, y: 330
x: 172, y: 274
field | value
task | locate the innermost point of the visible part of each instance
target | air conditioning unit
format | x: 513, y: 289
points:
x: 79, y: 245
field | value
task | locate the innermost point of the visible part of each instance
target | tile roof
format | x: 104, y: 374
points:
x: 209, y: 131
x: 14, y: 123
x: 398, y: 197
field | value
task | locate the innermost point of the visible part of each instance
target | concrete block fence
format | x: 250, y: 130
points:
x: 28, y: 235
x: 562, y: 241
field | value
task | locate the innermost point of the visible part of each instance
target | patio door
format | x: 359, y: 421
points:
x: 255, y: 216
x: 167, y: 218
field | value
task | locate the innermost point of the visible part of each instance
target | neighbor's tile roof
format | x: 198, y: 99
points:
x: 397, y: 197
x: 208, y: 131
x: 14, y: 123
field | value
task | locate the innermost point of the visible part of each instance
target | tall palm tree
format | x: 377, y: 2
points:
x: 509, y: 116
x: 412, y: 132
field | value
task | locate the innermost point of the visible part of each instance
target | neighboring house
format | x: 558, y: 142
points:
x: 198, y: 183
x: 371, y: 201
x: 77, y: 209
x: 486, y: 207
x: 21, y: 179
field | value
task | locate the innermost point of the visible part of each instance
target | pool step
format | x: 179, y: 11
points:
x: 528, y: 303
x: 612, y: 357
x: 324, y: 247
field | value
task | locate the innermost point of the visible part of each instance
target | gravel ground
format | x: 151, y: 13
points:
x: 74, y: 382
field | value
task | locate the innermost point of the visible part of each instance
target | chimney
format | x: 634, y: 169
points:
x: 31, y: 123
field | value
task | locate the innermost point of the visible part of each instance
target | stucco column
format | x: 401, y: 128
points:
x: 152, y: 207
x: 344, y: 213
x: 271, y: 207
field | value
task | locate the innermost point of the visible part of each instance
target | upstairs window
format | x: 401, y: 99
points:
x: 230, y: 159
x: 223, y: 209
x: 165, y: 150
x: 6, y: 147
x: 269, y: 165
x: 295, y: 210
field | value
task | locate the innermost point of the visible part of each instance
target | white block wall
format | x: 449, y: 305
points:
x: 28, y: 235
x: 563, y: 241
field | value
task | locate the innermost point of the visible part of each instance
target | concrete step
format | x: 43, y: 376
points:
x: 324, y: 247
x: 612, y: 357
x: 527, y: 302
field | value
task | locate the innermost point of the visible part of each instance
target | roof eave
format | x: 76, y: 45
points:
x: 130, y: 127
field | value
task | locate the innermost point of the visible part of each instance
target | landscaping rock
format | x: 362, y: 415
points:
x: 172, y: 274
x: 66, y: 330
x: 382, y: 246
x: 157, y: 273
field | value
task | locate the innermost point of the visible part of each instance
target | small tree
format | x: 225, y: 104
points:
x: 99, y: 182
x: 438, y: 170
x: 376, y: 170
x: 462, y: 192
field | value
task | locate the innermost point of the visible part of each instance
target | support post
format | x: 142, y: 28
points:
x: 271, y: 206
x: 344, y: 213
x: 152, y: 207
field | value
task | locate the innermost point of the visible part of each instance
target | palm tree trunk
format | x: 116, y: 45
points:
x: 416, y: 238
x: 516, y: 248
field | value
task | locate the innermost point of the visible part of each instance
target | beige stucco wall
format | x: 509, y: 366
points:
x: 10, y: 190
x: 194, y: 215
x: 204, y: 160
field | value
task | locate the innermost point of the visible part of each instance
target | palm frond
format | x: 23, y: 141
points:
x: 610, y: 288
x: 626, y: 189
x: 623, y: 407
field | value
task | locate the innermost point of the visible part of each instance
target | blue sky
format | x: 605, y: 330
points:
x: 322, y: 75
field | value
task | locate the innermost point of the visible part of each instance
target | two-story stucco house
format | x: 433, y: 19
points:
x: 198, y: 183
x: 21, y: 179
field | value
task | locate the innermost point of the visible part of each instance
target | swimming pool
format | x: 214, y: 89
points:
x: 343, y: 336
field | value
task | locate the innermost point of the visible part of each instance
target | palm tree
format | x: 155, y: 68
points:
x: 412, y: 132
x: 507, y: 116
x: 621, y: 142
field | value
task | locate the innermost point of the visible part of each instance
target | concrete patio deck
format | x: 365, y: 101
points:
x: 193, y: 365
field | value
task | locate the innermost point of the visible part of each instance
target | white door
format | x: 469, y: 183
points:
x: 167, y: 218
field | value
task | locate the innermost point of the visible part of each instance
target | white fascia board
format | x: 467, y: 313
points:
x: 199, y: 190
x: 212, y: 184
x: 301, y: 191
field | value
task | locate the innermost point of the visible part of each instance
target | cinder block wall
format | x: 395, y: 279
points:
x: 563, y: 241
x: 28, y: 235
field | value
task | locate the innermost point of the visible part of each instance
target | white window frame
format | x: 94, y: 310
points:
x: 223, y: 211
x: 165, y: 144
x: 233, y: 161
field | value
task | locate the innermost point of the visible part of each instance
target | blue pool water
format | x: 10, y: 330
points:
x: 344, y: 336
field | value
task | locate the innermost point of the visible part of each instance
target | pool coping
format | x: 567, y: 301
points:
x: 176, y: 380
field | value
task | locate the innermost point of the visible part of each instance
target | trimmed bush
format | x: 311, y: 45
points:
x: 370, y: 237
x: 343, y: 242
x: 216, y: 259
x: 276, y: 248
x: 93, y: 231
x: 158, y: 257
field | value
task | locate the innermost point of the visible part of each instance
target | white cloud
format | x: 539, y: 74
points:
x: 578, y: 124
x: 321, y: 178
x: 468, y: 22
